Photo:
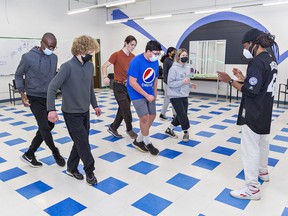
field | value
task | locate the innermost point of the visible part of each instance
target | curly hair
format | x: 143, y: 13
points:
x: 83, y: 44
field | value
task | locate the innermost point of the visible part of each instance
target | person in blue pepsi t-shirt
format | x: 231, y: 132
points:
x: 142, y: 88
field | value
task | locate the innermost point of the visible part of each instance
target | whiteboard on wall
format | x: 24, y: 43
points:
x: 11, y: 52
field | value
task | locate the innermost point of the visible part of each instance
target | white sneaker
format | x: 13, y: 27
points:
x: 248, y: 192
x: 264, y: 176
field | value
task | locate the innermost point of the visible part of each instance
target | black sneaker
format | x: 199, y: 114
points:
x: 91, y: 179
x: 114, y: 133
x: 58, y: 158
x: 31, y: 160
x: 76, y: 174
x: 152, y: 149
x: 163, y: 117
x: 140, y: 146
x: 170, y: 133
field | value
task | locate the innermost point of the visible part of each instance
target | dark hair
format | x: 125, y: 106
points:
x: 169, y: 50
x: 153, y: 45
x: 266, y: 40
x: 49, y: 35
x: 129, y: 39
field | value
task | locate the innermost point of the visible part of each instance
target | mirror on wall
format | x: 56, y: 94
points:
x: 207, y: 57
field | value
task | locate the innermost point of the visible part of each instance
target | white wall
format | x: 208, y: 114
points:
x: 32, y: 18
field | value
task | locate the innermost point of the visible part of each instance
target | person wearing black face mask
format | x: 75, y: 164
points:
x: 255, y: 110
x: 178, y: 90
x: 167, y: 61
x: 75, y: 79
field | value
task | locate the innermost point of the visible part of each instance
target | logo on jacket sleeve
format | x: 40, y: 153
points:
x: 253, y: 81
x: 149, y: 75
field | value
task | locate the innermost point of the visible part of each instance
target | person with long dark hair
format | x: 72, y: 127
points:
x: 167, y: 61
x: 255, y: 110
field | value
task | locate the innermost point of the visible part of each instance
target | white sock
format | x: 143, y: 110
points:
x: 139, y: 137
x: 146, y: 140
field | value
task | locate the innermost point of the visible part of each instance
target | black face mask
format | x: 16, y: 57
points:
x: 184, y: 59
x: 86, y: 58
x: 172, y: 56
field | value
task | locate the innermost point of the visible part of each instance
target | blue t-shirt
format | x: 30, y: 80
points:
x: 145, y: 72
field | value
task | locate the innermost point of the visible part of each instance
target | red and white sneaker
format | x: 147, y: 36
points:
x: 248, y: 192
x: 264, y: 176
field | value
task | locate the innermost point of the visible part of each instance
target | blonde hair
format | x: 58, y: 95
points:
x: 179, y: 52
x: 83, y: 44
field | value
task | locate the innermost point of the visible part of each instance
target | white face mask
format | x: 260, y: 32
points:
x: 154, y: 58
x: 47, y: 51
x: 247, y: 54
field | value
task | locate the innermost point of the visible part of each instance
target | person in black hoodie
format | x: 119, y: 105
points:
x: 33, y: 75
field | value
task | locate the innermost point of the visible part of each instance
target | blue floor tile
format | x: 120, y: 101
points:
x: 26, y: 149
x: 30, y: 128
x: 276, y: 148
x: 183, y: 181
x: 4, y: 134
x: 34, y: 189
x: 18, y: 123
x: 155, y: 124
x: 220, y: 127
x: 205, y: 134
x: 204, y: 117
x: 169, y: 153
x: 281, y: 138
x: 194, y: 109
x: 11, y: 174
x: 15, y: 142
x: 284, y: 129
x: 28, y: 114
x: 94, y: 121
x: 225, y: 109
x: 272, y: 162
x: 110, y: 185
x: 67, y: 207
x: 93, y: 132
x: 63, y: 140
x: 112, y: 156
x: 241, y: 175
x: 48, y: 160
x: 159, y: 136
x: 143, y: 167
x: 215, y: 113
x: 206, y: 163
x: 111, y: 138
x: 190, y: 143
x: 224, y: 150
x: 2, y: 160
x: 152, y: 204
x: 19, y: 112
x: 229, y: 121
x: 235, y: 140
x: 225, y: 198
x: 93, y: 146
x: 192, y: 122
x: 285, y: 212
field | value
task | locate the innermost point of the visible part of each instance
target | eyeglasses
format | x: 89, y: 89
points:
x: 52, y: 48
x: 156, y: 54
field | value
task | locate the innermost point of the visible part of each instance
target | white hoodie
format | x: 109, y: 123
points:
x: 175, y: 86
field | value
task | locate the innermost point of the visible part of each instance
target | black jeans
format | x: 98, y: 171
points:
x: 181, y: 107
x: 78, y: 126
x: 39, y: 110
x: 124, y: 109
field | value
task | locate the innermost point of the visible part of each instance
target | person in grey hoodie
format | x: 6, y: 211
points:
x: 75, y: 79
x: 33, y: 75
x: 178, y: 89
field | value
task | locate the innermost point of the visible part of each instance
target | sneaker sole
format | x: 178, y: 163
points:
x: 173, y: 137
x: 246, y: 198
x: 135, y: 146
x: 25, y: 161
x: 70, y: 174
x: 114, y: 134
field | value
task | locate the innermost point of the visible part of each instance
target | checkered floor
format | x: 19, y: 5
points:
x: 192, y: 178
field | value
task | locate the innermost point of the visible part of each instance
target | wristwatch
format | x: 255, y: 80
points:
x: 231, y: 82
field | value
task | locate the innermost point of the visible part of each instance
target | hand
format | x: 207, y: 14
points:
x: 97, y: 111
x: 25, y: 100
x: 53, y: 116
x: 186, y: 81
x: 238, y: 74
x: 150, y: 98
x: 107, y: 81
x: 223, y: 76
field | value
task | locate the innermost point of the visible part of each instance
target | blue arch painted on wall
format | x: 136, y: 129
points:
x: 232, y: 16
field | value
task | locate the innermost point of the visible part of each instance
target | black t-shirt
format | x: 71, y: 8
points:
x: 166, y: 66
x: 258, y: 94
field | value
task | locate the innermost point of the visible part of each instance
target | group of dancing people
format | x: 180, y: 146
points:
x: 135, y: 80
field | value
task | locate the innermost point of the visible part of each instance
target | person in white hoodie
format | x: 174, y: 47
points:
x: 178, y: 89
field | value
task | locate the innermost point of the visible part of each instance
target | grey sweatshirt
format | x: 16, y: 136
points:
x: 76, y: 83
x: 38, y: 70
x: 175, y: 86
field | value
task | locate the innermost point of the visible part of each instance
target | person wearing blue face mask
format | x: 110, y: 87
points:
x: 255, y: 112
x: 38, y: 66
x: 142, y: 88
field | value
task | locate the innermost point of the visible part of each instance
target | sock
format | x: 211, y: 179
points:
x: 171, y: 127
x: 146, y: 140
x: 139, y: 137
